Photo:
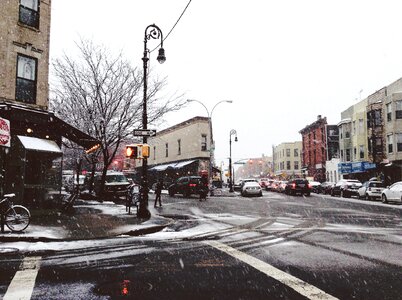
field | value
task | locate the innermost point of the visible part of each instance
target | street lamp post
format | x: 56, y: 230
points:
x: 154, y: 32
x: 211, y: 156
x: 232, y: 132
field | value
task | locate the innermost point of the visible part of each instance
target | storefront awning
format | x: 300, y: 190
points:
x: 162, y: 167
x: 176, y: 165
x: 41, y: 145
x: 42, y: 120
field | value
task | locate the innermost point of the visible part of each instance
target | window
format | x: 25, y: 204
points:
x: 287, y: 152
x: 389, y: 143
x: 342, y: 158
x: 354, y: 152
x: 398, y: 109
x: 296, y: 153
x: 154, y: 152
x: 389, y: 112
x: 399, y: 142
x: 361, y: 126
x: 287, y: 165
x: 167, y: 149
x: 179, y: 147
x: 296, y: 165
x: 203, y: 142
x: 347, y: 154
x: 25, y: 89
x: 347, y: 130
x: 29, y: 13
x: 354, y: 127
x: 361, y: 151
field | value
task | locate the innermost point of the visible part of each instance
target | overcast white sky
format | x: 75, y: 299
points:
x: 281, y: 62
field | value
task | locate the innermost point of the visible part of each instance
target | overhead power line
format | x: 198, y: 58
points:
x: 174, y: 24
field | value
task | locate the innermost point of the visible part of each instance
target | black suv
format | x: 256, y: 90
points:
x: 186, y: 186
x: 298, y: 186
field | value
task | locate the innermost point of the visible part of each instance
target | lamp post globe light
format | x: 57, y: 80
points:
x: 232, y: 132
x: 154, y: 32
x: 212, y: 146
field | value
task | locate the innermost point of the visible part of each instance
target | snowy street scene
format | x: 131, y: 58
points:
x: 195, y: 149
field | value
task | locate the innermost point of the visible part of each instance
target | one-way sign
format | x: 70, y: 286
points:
x: 144, y: 132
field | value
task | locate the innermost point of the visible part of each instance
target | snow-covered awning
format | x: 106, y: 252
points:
x: 162, y: 167
x: 176, y: 165
x: 36, y: 144
x: 183, y: 163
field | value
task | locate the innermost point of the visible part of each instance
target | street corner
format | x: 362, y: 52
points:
x: 155, y: 224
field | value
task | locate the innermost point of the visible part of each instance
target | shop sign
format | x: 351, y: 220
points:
x: 5, y: 133
x: 344, y: 168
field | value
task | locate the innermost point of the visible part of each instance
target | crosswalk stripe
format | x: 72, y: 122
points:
x: 303, y: 288
x: 23, y: 283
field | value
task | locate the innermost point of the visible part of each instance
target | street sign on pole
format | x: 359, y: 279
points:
x: 144, y: 132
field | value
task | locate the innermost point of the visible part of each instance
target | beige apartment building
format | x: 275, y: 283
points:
x: 183, y: 149
x: 287, y: 159
x: 31, y: 136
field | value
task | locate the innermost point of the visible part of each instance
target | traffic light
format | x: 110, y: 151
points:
x: 145, y: 151
x: 132, y: 151
x: 137, y: 151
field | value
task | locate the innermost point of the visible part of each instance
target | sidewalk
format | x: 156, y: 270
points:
x: 88, y: 220
x: 91, y: 219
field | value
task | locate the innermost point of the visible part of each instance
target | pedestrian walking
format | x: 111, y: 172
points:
x: 158, y: 191
x: 204, y: 187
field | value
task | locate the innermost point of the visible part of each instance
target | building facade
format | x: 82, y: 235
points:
x: 31, y: 136
x: 183, y: 149
x: 314, y: 154
x: 287, y: 160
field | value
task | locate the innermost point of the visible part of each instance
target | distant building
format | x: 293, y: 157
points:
x: 287, y: 160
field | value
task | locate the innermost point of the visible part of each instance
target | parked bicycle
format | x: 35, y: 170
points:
x: 16, y: 217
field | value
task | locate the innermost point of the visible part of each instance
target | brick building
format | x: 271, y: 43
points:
x: 314, y: 145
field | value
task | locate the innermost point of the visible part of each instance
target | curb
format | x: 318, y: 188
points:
x: 135, y: 232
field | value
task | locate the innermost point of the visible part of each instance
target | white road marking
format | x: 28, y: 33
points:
x: 23, y: 283
x: 303, y: 288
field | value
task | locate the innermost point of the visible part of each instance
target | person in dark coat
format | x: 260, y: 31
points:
x: 204, y: 187
x: 158, y: 192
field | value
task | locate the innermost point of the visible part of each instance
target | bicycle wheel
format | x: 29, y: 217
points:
x: 17, y: 218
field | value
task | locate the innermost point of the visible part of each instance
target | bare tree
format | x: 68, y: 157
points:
x: 101, y: 94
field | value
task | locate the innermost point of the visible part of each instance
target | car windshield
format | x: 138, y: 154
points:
x: 116, y: 178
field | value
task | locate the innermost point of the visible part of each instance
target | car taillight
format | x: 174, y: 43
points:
x: 293, y: 185
x: 193, y: 185
x: 309, y: 185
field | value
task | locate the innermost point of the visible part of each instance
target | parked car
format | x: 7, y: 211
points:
x: 263, y: 182
x: 275, y: 186
x: 251, y: 188
x: 325, y: 187
x: 346, y: 188
x: 243, y: 181
x: 371, y: 190
x: 392, y: 193
x: 187, y: 186
x: 268, y: 186
x: 315, y: 186
x: 282, y: 186
x: 298, y: 186
x: 70, y: 183
x: 116, y: 185
x: 237, y: 185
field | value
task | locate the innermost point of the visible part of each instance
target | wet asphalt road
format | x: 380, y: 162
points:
x: 348, y: 249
